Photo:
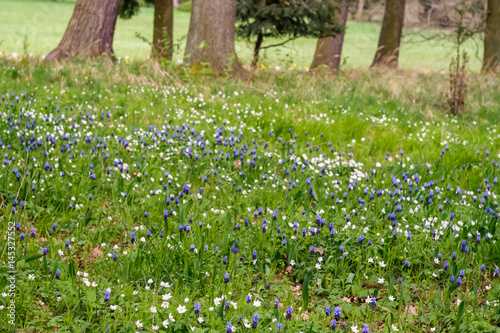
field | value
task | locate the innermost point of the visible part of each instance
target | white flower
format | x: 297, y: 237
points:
x: 394, y: 328
x: 114, y: 307
x: 166, y: 297
x: 256, y: 303
x: 354, y: 329
x: 165, y: 323
x: 318, y: 266
x: 381, y: 280
x: 153, y: 309
x: 211, y: 309
x: 155, y: 328
x: 186, y: 300
x: 138, y: 324
x: 59, y: 299
x: 61, y: 253
x: 433, y: 329
x: 181, y: 309
x: 370, y: 260
x: 165, y: 284
x: 31, y: 277
x: 150, y: 281
x: 165, y: 305
x: 200, y: 320
x: 292, y: 262
x: 171, y: 317
x: 135, y: 292
x: 381, y: 263
x: 392, y: 298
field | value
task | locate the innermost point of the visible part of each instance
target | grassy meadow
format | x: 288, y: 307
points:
x: 136, y: 197
x: 44, y: 22
x: 133, y: 200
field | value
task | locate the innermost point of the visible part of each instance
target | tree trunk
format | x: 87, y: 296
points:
x: 359, y: 11
x: 211, y: 36
x: 163, y: 42
x: 491, y: 59
x: 90, y: 31
x: 256, y: 51
x: 390, y: 35
x: 329, y: 49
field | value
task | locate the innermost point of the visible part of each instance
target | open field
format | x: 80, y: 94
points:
x: 133, y: 200
x: 44, y: 22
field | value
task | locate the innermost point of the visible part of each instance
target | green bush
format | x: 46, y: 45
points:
x: 185, y: 6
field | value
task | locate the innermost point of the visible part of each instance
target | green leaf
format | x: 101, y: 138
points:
x: 305, y: 288
x: 461, y: 311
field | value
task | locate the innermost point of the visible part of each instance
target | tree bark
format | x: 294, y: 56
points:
x: 491, y: 58
x: 329, y: 49
x: 256, y: 51
x: 390, y: 36
x: 163, y: 42
x: 90, y: 31
x: 211, y: 36
x: 359, y: 11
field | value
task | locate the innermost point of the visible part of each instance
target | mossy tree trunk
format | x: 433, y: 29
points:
x: 390, y: 36
x: 90, y: 31
x: 163, y: 42
x: 210, y: 40
x: 491, y: 59
x: 329, y: 49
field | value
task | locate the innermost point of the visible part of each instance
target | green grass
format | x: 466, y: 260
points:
x: 44, y: 23
x: 363, y: 115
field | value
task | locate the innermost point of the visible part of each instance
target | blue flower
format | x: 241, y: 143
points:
x: 289, y: 310
x: 197, y: 307
x: 338, y: 312
x: 229, y: 328
x: 226, y: 277
x: 106, y: 296
x: 333, y: 324
x: 44, y: 251
x: 279, y: 327
x: 365, y: 329
x: 328, y: 310
x: 255, y: 321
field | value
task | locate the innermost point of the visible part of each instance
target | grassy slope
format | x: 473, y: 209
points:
x: 44, y: 23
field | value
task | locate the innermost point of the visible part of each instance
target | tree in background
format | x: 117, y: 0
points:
x: 90, y: 30
x: 163, y: 23
x: 289, y: 19
x: 329, y: 49
x: 491, y: 59
x: 163, y: 43
x: 210, y: 40
x: 390, y: 36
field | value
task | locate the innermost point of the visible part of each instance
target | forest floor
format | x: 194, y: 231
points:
x: 40, y: 25
x: 139, y: 198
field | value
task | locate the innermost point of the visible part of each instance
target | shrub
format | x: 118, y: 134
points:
x: 185, y: 6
